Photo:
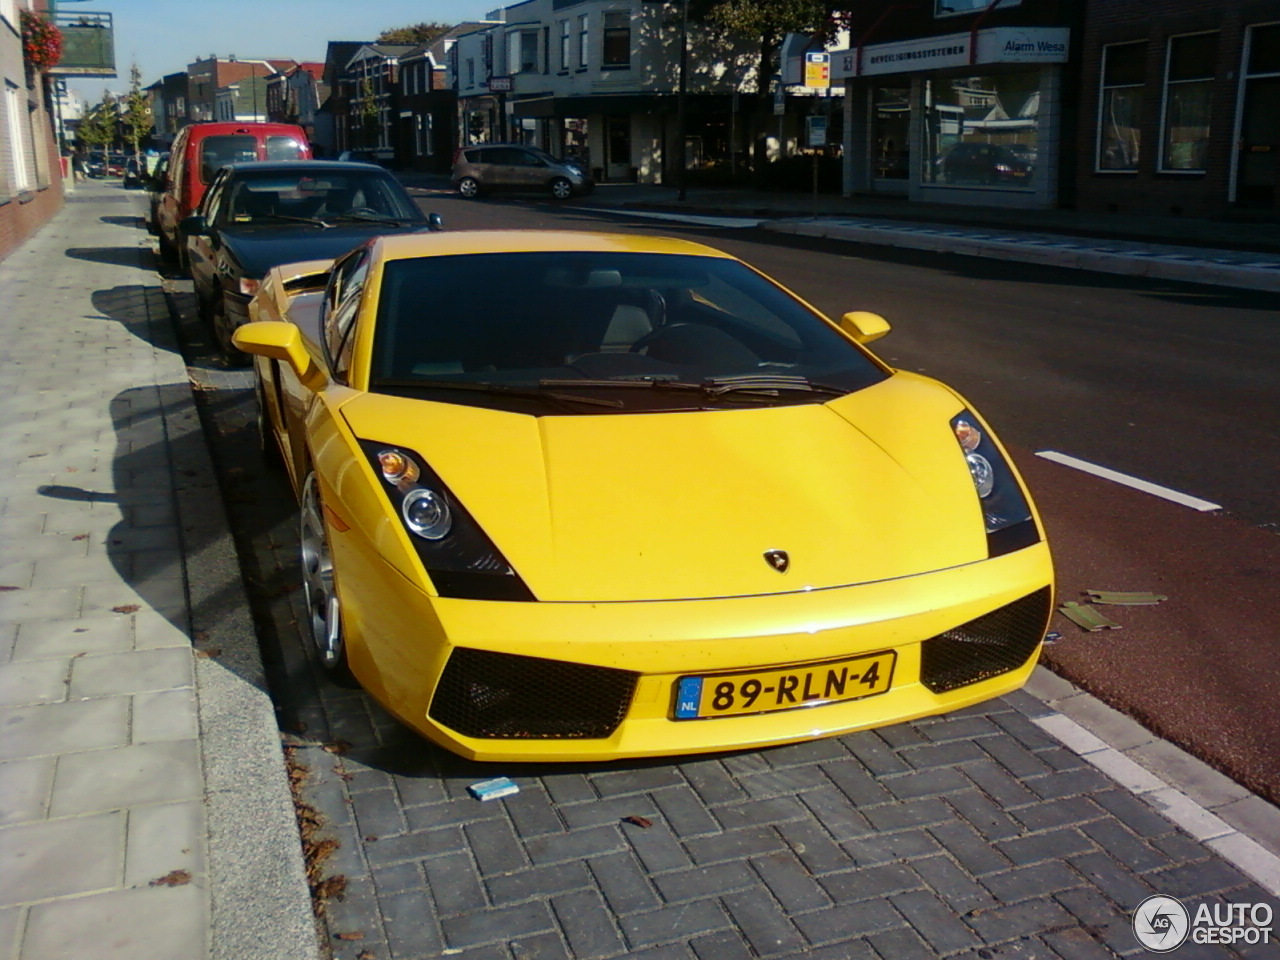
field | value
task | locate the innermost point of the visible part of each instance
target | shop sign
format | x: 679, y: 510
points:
x: 996, y: 45
x: 817, y: 70
x: 815, y: 131
x: 500, y: 84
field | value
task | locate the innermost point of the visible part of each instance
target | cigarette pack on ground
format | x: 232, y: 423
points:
x: 493, y: 789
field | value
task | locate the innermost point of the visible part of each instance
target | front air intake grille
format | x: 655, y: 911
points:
x: 993, y: 644
x: 503, y: 696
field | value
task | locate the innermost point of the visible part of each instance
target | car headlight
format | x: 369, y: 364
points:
x: 458, y: 556
x: 1005, y: 512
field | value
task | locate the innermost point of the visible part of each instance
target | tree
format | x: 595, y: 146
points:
x: 416, y: 33
x: 366, y: 111
x: 136, y: 110
x: 99, y: 127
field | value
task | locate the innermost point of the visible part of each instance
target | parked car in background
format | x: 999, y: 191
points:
x: 985, y: 163
x: 95, y: 165
x: 132, y: 176
x: 152, y: 184
x: 584, y: 496
x: 509, y: 166
x: 199, y: 151
x: 358, y: 156
x: 257, y: 215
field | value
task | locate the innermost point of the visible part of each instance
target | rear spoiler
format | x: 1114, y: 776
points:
x: 284, y: 282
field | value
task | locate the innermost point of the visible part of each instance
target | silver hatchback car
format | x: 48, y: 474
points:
x: 509, y: 166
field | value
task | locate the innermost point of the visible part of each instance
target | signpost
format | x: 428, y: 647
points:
x: 817, y: 70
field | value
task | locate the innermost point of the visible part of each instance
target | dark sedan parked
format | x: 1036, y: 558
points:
x: 259, y: 215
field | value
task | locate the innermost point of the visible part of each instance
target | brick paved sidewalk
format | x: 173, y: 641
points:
x: 123, y: 756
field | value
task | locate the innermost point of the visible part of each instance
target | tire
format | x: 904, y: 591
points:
x: 232, y: 355
x: 561, y: 188
x: 323, y: 621
x: 469, y: 188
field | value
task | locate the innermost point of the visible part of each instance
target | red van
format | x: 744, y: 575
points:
x: 198, y: 151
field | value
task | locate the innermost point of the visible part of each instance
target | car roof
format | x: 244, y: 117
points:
x: 449, y: 243
x: 294, y: 166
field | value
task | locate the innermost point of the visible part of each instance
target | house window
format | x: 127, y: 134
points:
x: 617, y: 40
x: 583, y: 39
x: 528, y: 51
x: 1188, y: 90
x: 564, y: 44
x: 1120, y: 107
x: 955, y: 8
x: 471, y: 72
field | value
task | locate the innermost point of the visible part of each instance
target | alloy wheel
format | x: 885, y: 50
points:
x: 324, y: 614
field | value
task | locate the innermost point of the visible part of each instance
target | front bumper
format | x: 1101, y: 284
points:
x: 401, y: 642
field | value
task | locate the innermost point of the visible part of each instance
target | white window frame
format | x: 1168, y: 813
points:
x: 1102, y: 103
x: 1242, y: 87
x: 565, y: 37
x: 948, y: 8
x: 584, y: 41
x: 13, y: 110
x: 1164, y: 100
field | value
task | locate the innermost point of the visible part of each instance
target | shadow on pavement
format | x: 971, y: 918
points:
x: 120, y: 256
x: 133, y: 223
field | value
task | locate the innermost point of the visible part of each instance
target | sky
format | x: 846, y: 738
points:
x: 163, y: 36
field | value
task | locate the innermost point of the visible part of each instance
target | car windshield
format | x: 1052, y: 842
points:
x: 603, y: 333
x: 323, y: 197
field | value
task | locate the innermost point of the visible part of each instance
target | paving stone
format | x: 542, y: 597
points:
x: 712, y: 782
x: 734, y: 845
x: 411, y: 925
x: 166, y: 597
x: 1197, y: 879
x: 703, y: 882
x: 540, y: 946
x: 625, y: 886
x: 727, y: 945
x: 912, y: 813
x: 126, y: 776
x: 566, y: 788
x: 497, y: 924
x: 814, y: 847
x: 866, y: 883
x: 787, y: 782
x: 587, y: 925
x: 533, y: 813
x: 983, y: 815
x: 935, y: 920
x: 904, y: 845
x: 163, y: 838
x: 1099, y: 917
x: 1068, y: 783
x: 26, y: 787
x: 790, y: 882
x: 968, y: 848
x: 57, y: 728
x: 55, y: 858
x: 762, y: 924
x: 684, y: 812
x: 136, y: 671
x: 378, y: 813
x: 673, y: 923
x: 398, y: 878
x: 997, y: 783
x: 538, y: 882
x: 860, y: 787
x: 165, y: 715
x: 807, y: 752
x: 574, y: 845
x: 40, y: 603
x: 12, y: 920
x: 947, y: 754
x: 453, y: 883
x: 1120, y: 842
x: 874, y: 754
x: 837, y: 814
x: 1067, y: 811
x: 754, y: 813
x: 1076, y: 944
x: 639, y: 780
x: 1036, y: 881
x: 582, y: 815
x: 25, y: 682
x: 658, y: 850
x: 1046, y: 846
x: 1006, y: 923
x: 951, y: 727
x: 1133, y: 813
x: 451, y: 813
x: 1118, y: 882
x: 844, y: 921
x: 143, y: 923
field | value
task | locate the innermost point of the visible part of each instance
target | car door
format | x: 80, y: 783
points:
x: 529, y: 169
x: 203, y: 250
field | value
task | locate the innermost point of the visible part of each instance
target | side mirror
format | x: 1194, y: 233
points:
x: 863, y: 326
x: 193, y: 226
x: 435, y: 222
x: 275, y: 340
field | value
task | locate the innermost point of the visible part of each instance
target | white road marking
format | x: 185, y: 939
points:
x: 700, y: 220
x: 1195, y: 503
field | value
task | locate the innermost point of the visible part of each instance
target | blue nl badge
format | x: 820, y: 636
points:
x: 688, y: 695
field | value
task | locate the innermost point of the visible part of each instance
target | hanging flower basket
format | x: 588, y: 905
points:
x: 41, y: 41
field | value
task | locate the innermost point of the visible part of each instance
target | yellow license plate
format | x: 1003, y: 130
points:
x: 763, y: 691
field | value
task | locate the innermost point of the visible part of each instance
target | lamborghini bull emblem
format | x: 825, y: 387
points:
x: 777, y: 559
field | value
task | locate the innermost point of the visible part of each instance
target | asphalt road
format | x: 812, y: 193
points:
x: 1169, y: 383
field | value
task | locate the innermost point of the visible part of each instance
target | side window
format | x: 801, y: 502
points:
x: 213, y: 199
x: 339, y: 322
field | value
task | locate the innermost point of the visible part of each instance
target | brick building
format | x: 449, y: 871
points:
x: 1180, y: 108
x: 30, y: 173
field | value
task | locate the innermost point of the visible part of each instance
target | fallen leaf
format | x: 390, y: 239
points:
x: 365, y: 955
x: 370, y: 839
x: 126, y: 608
x: 5, y: 588
x: 174, y: 878
x: 354, y: 935
x: 81, y: 536
x: 209, y: 654
x: 337, y: 746
x: 643, y: 822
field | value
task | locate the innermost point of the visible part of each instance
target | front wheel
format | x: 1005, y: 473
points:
x: 324, y: 612
x: 232, y: 355
x: 469, y: 188
x: 561, y: 188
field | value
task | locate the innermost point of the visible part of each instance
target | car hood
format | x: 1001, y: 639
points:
x: 258, y: 249
x: 667, y: 506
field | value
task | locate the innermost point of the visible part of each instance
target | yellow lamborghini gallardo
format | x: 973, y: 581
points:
x: 580, y: 496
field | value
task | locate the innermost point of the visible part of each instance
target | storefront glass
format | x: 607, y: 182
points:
x: 981, y: 131
x: 1119, y: 115
x: 1188, y: 89
x: 891, y: 134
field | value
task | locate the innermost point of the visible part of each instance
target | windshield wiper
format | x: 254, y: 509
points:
x: 502, y: 388
x: 366, y: 218
x: 768, y: 384
x: 281, y: 216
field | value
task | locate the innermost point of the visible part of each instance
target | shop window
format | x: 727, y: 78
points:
x: 1120, y: 109
x: 982, y: 131
x: 892, y: 110
x: 954, y: 8
x: 617, y: 40
x: 1188, y: 91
